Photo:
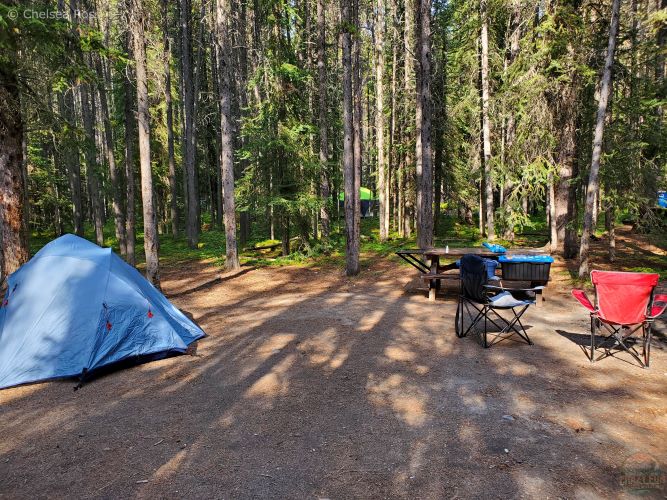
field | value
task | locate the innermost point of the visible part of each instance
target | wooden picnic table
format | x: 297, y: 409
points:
x: 434, y: 272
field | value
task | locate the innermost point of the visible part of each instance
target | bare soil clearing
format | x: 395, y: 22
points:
x: 311, y: 384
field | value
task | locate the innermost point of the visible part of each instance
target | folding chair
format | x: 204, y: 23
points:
x: 481, y: 300
x: 624, y: 304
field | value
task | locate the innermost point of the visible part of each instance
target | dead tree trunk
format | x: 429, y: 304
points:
x: 151, y: 243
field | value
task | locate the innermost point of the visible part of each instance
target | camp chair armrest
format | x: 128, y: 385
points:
x: 659, y: 305
x: 583, y: 299
x: 506, y: 289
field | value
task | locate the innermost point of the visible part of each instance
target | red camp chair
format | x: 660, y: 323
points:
x: 625, y: 303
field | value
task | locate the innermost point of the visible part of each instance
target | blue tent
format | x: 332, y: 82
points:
x: 76, y: 307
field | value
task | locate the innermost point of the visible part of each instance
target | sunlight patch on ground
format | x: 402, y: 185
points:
x: 339, y: 298
x: 274, y: 344
x: 521, y: 403
x: 275, y: 383
x: 169, y: 468
x: 370, y: 320
x: 531, y: 486
x: 16, y: 393
x: 321, y: 347
x: 285, y: 300
x: 407, y: 401
x: 399, y: 353
x: 340, y: 358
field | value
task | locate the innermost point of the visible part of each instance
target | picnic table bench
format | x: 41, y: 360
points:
x: 434, y: 272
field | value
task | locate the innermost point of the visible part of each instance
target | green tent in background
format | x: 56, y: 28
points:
x: 368, y: 202
x: 364, y: 195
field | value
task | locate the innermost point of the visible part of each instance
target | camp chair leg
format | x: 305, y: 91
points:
x: 503, y: 325
x: 463, y: 310
x: 486, y: 328
x: 517, y: 318
x: 617, y: 338
x: 476, y: 319
x: 593, y: 331
x: 511, y: 325
x: 647, y: 344
x: 459, y: 322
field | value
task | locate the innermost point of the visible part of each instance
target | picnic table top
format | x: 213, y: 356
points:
x: 458, y: 252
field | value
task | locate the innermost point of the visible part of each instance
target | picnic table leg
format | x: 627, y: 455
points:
x: 540, y: 297
x: 433, y: 285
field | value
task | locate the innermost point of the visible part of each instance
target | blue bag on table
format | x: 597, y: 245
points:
x: 494, y: 248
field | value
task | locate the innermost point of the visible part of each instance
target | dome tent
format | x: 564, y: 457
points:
x: 368, y: 203
x: 75, y: 308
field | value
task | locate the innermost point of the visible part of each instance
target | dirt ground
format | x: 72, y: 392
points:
x: 311, y: 385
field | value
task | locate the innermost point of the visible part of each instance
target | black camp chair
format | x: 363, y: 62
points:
x: 481, y: 298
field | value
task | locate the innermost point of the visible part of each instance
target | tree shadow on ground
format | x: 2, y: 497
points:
x: 333, y: 388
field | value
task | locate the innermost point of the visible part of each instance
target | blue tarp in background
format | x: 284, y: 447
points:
x: 77, y: 306
x: 662, y: 199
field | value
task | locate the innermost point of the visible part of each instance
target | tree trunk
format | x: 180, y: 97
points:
x: 423, y: 126
x: 14, y: 250
x: 215, y: 77
x: 357, y: 120
x: 90, y: 154
x: 610, y: 225
x: 325, y: 193
x: 383, y: 182
x: 173, y: 202
x: 409, y: 98
x: 593, y: 176
x: 513, y: 38
x: 192, y: 225
x: 553, y: 228
x: 393, y: 173
x: 486, y: 131
x: 242, y: 104
x: 151, y: 243
x: 351, y: 236
x: 130, y: 219
x: 114, y: 174
x: 223, y: 14
x: 50, y: 152
x: 71, y: 156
